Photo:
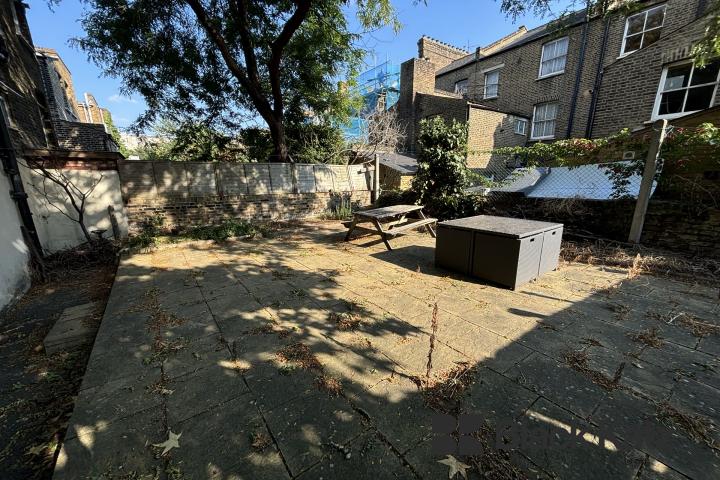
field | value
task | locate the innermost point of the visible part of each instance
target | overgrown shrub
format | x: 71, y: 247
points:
x: 307, y: 143
x: 395, y: 197
x: 443, y: 177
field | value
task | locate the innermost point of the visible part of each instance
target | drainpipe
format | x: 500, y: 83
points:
x: 598, y: 80
x: 578, y: 73
x: 17, y: 192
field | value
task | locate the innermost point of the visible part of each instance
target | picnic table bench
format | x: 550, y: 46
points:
x: 389, y: 222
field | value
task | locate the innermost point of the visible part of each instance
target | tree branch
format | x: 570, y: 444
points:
x: 277, y: 47
x: 256, y: 94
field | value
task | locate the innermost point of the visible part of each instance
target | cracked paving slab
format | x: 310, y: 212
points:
x: 304, y: 356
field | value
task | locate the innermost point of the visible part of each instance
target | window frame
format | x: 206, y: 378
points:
x: 455, y: 86
x: 532, y: 126
x: 542, y: 57
x: 524, y: 122
x: 660, y: 91
x: 487, y: 72
x: 645, y: 12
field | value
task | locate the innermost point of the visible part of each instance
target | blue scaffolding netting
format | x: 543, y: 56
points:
x: 379, y: 88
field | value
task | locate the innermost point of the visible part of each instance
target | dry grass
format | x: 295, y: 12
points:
x: 649, y: 337
x: 444, y: 392
x: 696, y: 427
x: 259, y: 441
x: 331, y: 385
x: 697, y: 327
x: 300, y: 355
x: 578, y: 360
x: 345, y: 320
x: 641, y: 260
x: 493, y: 464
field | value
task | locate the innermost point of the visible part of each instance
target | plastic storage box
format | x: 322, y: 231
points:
x: 506, y: 251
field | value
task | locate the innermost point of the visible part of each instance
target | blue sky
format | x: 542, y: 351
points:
x: 458, y: 22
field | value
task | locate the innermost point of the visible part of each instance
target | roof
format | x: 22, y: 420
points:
x: 404, y: 164
x: 590, y: 182
x: 571, y: 20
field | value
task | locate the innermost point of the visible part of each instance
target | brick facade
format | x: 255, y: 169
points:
x: 57, y: 81
x: 598, y: 93
x: 193, y: 211
x: 83, y: 136
x: 20, y: 81
x: 486, y: 129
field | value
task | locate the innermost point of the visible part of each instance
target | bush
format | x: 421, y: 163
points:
x: 442, y: 175
x: 223, y: 231
x: 395, y: 197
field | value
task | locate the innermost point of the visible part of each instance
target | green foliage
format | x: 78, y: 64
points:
x: 684, y: 150
x: 395, y: 197
x: 115, y: 134
x: 708, y: 47
x: 307, y: 143
x: 442, y: 175
x: 341, y: 207
x: 224, y: 63
x: 223, y: 231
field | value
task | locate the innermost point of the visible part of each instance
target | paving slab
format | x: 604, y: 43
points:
x: 190, y: 338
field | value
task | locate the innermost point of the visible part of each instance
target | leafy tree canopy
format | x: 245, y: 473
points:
x: 225, y: 62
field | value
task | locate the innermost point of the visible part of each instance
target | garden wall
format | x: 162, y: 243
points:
x: 197, y: 193
x: 669, y: 224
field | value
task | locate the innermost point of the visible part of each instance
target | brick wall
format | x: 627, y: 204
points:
x: 206, y: 210
x: 488, y: 129
x: 83, y: 136
x: 21, y: 85
x: 670, y: 225
x: 629, y: 85
x: 58, y: 84
x: 195, y: 193
x: 437, y: 52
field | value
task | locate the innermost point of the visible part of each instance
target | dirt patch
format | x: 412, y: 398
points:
x: 444, y: 391
x: 331, y: 385
x: 493, y: 463
x: 34, y: 412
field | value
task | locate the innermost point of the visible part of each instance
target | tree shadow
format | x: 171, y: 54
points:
x: 300, y: 357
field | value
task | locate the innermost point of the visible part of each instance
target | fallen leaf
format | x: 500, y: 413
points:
x: 170, y: 443
x: 456, y: 466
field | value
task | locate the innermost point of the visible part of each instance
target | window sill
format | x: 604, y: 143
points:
x: 537, y: 139
x: 550, y: 75
x: 490, y: 98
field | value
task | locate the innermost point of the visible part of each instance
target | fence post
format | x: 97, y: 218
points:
x: 376, y: 179
x: 641, y: 206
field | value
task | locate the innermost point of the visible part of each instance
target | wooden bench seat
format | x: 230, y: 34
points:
x: 397, y: 230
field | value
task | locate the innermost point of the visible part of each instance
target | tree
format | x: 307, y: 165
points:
x: 115, y: 133
x: 443, y: 176
x: 230, y: 61
x: 381, y: 130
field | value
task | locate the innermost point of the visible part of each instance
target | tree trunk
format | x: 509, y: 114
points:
x: 277, y: 132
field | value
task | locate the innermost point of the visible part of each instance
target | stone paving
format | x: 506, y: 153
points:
x: 305, y: 357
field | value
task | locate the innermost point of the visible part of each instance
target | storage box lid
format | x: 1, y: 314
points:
x: 507, y: 227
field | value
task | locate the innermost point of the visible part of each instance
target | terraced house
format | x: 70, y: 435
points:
x: 587, y: 75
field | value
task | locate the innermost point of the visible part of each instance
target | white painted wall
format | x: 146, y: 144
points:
x: 55, y: 230
x: 14, y: 254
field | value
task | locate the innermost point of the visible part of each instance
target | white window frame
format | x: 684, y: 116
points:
x: 543, y: 59
x: 532, y: 132
x: 455, y: 87
x: 623, y: 53
x: 658, y: 98
x: 497, y: 85
x: 524, y: 123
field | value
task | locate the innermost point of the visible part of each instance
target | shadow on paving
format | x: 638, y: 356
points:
x: 304, y: 357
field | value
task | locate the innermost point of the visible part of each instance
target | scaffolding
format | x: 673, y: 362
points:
x: 379, y: 88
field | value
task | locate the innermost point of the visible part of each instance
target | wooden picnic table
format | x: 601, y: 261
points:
x: 389, y: 222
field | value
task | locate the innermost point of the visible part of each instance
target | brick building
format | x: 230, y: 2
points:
x: 77, y: 125
x: 582, y: 76
x: 39, y: 121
